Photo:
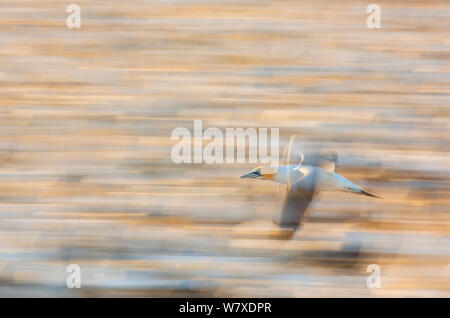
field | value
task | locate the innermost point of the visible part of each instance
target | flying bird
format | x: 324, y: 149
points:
x: 311, y: 173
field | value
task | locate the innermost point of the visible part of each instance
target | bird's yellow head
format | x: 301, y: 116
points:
x: 263, y: 172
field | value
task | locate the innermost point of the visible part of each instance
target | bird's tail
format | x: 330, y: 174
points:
x: 363, y: 192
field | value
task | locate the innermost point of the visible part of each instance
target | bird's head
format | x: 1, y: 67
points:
x: 263, y: 172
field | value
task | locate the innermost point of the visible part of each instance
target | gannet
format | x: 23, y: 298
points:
x: 314, y: 172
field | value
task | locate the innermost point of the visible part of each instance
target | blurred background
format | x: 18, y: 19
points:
x: 85, y: 170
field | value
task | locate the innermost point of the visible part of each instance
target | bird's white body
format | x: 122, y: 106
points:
x: 311, y: 178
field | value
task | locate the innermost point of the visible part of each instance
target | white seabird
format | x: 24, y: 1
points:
x: 313, y: 173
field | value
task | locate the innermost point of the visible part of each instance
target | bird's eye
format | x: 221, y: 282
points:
x: 258, y: 173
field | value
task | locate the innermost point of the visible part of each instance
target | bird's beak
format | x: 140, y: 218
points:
x: 369, y: 194
x: 248, y: 175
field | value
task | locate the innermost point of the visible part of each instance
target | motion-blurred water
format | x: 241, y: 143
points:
x: 86, y: 176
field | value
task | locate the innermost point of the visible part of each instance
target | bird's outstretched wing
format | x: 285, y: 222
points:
x: 293, y: 208
x: 293, y: 152
x: 295, y: 201
x: 322, y: 158
x: 299, y: 151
